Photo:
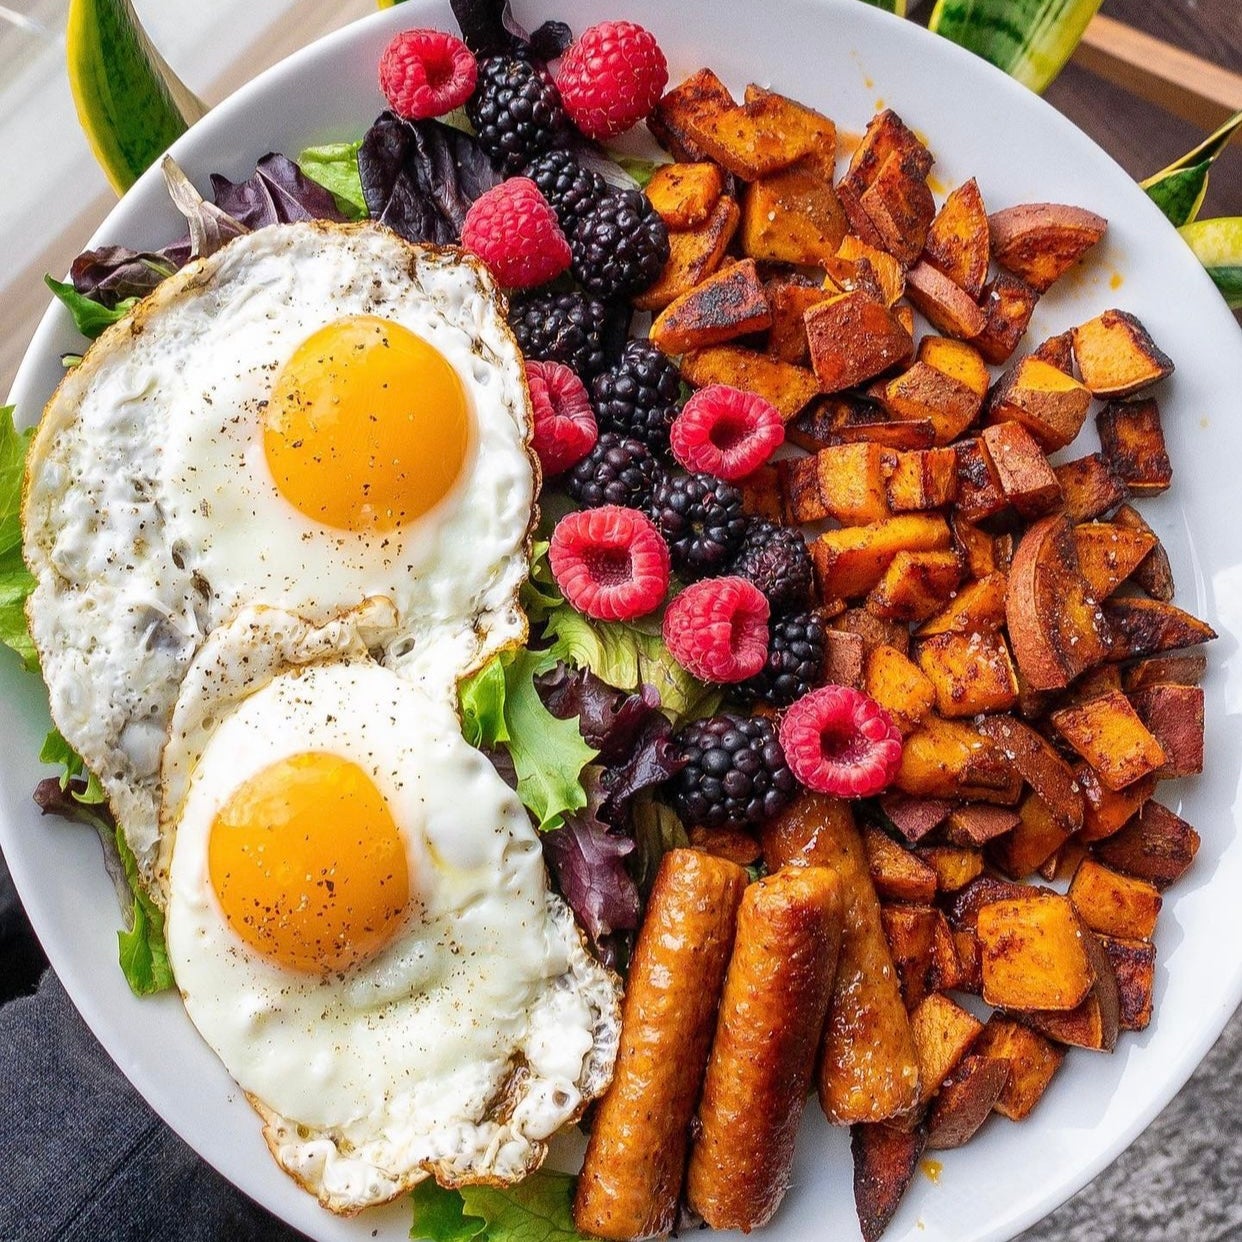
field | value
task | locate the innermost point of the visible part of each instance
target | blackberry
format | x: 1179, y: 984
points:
x: 616, y: 471
x: 639, y: 397
x: 516, y: 111
x: 570, y: 188
x: 564, y: 327
x: 735, y: 773
x: 702, y: 520
x: 795, y: 661
x: 775, y: 559
x: 620, y: 245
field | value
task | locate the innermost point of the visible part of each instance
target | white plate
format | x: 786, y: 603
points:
x: 844, y: 58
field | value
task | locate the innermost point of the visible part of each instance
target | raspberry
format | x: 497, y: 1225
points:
x: 610, y: 563
x: 426, y: 73
x: 514, y: 231
x: 565, y: 430
x: 717, y: 629
x: 726, y: 432
x: 841, y: 741
x: 611, y: 78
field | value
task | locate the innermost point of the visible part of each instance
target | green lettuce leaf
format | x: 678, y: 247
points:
x: 540, y: 594
x: 334, y: 165
x: 90, y: 317
x: 16, y: 582
x: 500, y: 706
x: 538, y: 1209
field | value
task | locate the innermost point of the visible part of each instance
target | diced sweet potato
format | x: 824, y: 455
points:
x: 1089, y: 487
x: 958, y: 242
x: 915, y: 585
x: 685, y: 194
x: 1057, y: 351
x: 958, y: 359
x: 965, y: 1100
x: 1182, y: 668
x: 1174, y: 714
x: 1037, y: 837
x: 1134, y: 965
x: 911, y: 935
x: 849, y: 562
x: 975, y: 824
x: 979, y: 493
x: 922, y: 479
x: 1114, y: 904
x: 896, y: 873
x: 1143, y: 627
x: 888, y: 273
x: 1032, y: 1060
x: 1133, y: 443
x: 976, y: 546
x: 1051, y: 405
x: 693, y: 256
x: 914, y: 818
x: 1040, y: 766
x: 950, y: 973
x: 735, y: 844
x: 900, y: 207
x: 1156, y: 846
x: 1025, y: 477
x: 963, y: 910
x: 1056, y: 627
x: 787, y: 387
x: 977, y: 608
x: 701, y: 95
x: 793, y: 216
x: 761, y: 493
x: 970, y: 672
x: 728, y: 304
x: 923, y: 393
x: 1105, y: 810
x: 1034, y: 954
x: 1107, y: 732
x: 874, y: 631
x: 948, y: 307
x: 1155, y: 574
x: 898, y: 686
x: 1040, y: 242
x: 943, y: 1033
x: 1095, y: 1022
x: 1007, y: 304
x: 1116, y: 357
x: 885, y: 1161
x: 955, y: 866
x: 885, y: 135
x: 846, y: 482
x: 852, y: 338
x: 790, y: 299
x: 844, y: 657
x: 951, y: 759
x: 1108, y: 554
x: 970, y: 962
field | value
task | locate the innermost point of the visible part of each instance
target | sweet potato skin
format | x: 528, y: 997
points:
x: 1032, y: 1061
x: 852, y: 338
x: 1040, y: 242
x: 885, y: 1161
x: 958, y: 242
x: 1116, y: 356
x: 1156, y: 845
x: 965, y: 1100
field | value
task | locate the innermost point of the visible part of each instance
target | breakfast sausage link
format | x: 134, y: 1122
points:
x: 772, y: 1013
x: 868, y: 1068
x: 636, y: 1156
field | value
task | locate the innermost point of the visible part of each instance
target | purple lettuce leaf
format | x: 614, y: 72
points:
x: 488, y: 26
x: 113, y: 273
x: 609, y: 719
x: 654, y: 759
x: 277, y: 192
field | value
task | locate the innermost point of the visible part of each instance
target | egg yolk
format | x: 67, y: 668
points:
x: 367, y: 426
x: 308, y: 864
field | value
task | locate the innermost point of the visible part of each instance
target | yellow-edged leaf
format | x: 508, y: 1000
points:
x: 1218, y: 246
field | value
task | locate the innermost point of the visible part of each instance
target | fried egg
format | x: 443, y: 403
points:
x: 316, y: 414
x: 360, y: 925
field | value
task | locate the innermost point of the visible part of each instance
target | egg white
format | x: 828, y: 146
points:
x: 151, y: 516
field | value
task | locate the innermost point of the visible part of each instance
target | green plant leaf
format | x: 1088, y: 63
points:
x: 16, y: 582
x: 440, y: 1215
x: 90, y: 317
x: 335, y: 167
x: 1178, y: 190
x: 539, y: 594
x: 1218, y: 245
x: 537, y: 1209
x: 1029, y: 39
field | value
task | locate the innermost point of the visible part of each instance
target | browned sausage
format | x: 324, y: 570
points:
x: 868, y: 1070
x: 771, y: 1018
x: 636, y: 1156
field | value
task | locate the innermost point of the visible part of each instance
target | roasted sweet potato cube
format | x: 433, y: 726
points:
x: 702, y: 94
x: 1089, y: 487
x: 922, y: 479
x: 761, y: 493
x: 900, y: 208
x: 735, y: 844
x: 951, y: 759
x: 955, y: 865
x: 1108, y: 554
x: 958, y: 242
x: 852, y: 337
x: 845, y: 655
x: 915, y: 585
x: 790, y: 299
x: 975, y: 824
x: 885, y: 135
x: 965, y: 1100
x: 1034, y: 953
x: 1051, y: 405
x: 943, y: 1033
x: 1040, y: 766
x: 1057, y: 351
x: 849, y: 562
x: 885, y: 1161
x: 923, y: 393
x: 971, y: 673
x: 978, y: 607
x: 787, y: 387
x: 976, y: 546
x: 948, y: 307
x: 728, y: 304
x: 1154, y: 574
x: 1032, y: 1061
x: 1108, y: 733
x: 1025, y: 477
x: 979, y: 493
x: 896, y: 873
x: 1007, y: 304
x: 1114, y: 904
x: 1116, y: 357
x: 1040, y: 242
x: 1182, y: 668
x: 1095, y: 1022
x: 1134, y: 965
x: 874, y: 631
x: 963, y: 910
x: 846, y: 482
x: 889, y: 275
x: 1036, y: 838
x: 1156, y: 846
x: 685, y: 194
x: 793, y: 216
x: 957, y: 359
x: 693, y: 256
x: 911, y: 935
x: 1056, y: 627
x: 1104, y: 810
x: 1143, y: 627
x: 1133, y: 443
x: 1174, y: 714
x: 898, y: 686
x: 914, y: 818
